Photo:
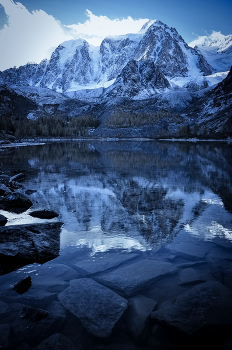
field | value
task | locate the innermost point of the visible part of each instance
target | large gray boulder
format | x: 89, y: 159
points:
x: 98, y: 307
x: 24, y: 244
x: 130, y: 279
x: 206, y: 304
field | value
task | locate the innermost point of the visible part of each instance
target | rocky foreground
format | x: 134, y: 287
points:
x: 178, y: 298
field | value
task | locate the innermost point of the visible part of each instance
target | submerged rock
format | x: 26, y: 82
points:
x: 24, y: 244
x: 105, y: 262
x: 98, y: 307
x: 33, y: 314
x: 44, y: 214
x: 57, y: 341
x: 4, y: 336
x: 139, y: 310
x: 206, y: 304
x: 132, y: 278
x: 23, y: 285
x: 15, y: 202
x: 190, y: 276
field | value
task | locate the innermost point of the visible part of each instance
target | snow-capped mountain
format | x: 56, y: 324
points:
x: 77, y: 65
x: 216, y: 49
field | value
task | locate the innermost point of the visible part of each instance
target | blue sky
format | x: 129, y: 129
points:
x: 36, y: 27
x: 188, y: 17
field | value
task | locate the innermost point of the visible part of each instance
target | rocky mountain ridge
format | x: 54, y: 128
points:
x: 75, y: 64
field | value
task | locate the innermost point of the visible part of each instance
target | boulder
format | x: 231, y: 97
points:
x: 57, y: 341
x: 204, y: 305
x: 98, y: 307
x: 190, y: 276
x: 23, y: 285
x: 130, y: 279
x: 3, y: 220
x: 44, y: 214
x: 24, y: 244
x: 138, y: 313
x: 33, y: 314
x: 15, y: 202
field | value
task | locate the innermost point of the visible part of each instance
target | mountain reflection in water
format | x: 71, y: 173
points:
x: 128, y: 195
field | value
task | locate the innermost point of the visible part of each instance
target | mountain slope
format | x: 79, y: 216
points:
x: 137, y: 80
x: 213, y: 111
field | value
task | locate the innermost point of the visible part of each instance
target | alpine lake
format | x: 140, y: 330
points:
x: 142, y: 259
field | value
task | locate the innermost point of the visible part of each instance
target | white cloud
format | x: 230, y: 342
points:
x: 102, y: 26
x: 30, y: 37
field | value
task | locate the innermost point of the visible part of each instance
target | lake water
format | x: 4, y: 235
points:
x: 165, y: 201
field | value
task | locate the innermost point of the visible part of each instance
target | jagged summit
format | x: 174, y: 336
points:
x: 77, y: 65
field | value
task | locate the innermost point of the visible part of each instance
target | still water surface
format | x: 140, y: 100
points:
x: 128, y: 196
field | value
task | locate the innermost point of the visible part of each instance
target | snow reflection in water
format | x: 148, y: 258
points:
x: 128, y: 196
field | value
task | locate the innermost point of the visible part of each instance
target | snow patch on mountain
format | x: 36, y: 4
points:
x: 216, y: 49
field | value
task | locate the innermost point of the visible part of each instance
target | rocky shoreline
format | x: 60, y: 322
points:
x: 121, y: 301
x: 176, y: 298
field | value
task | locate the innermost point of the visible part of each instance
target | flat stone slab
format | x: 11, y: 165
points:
x: 95, y: 265
x: 203, y: 305
x: 132, y: 278
x: 189, y: 250
x: 139, y: 310
x: 52, y: 270
x: 190, y: 277
x: 98, y: 307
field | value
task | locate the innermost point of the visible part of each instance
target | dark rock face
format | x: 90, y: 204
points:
x: 44, y: 214
x: 13, y: 104
x: 23, y: 244
x: 136, y: 78
x: 15, y: 202
x: 23, y: 285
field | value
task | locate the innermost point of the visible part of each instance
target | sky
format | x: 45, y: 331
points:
x: 31, y: 29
